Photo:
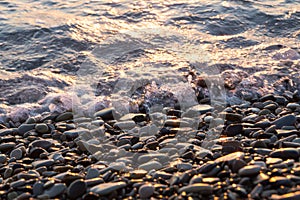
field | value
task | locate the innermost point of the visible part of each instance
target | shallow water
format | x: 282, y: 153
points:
x: 46, y: 46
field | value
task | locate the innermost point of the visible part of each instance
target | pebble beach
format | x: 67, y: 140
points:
x: 149, y: 100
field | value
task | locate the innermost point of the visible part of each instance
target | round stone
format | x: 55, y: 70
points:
x: 249, y: 170
x: 45, y: 144
x: 7, y: 146
x: 25, y: 128
x: 76, y: 189
x: 146, y: 191
x: 64, y: 116
x: 92, y: 173
x: 38, y: 188
x: 42, y: 128
x: 16, y: 153
x: 3, y: 158
x: 55, y: 190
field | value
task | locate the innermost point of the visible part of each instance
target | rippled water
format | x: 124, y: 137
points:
x: 44, y: 43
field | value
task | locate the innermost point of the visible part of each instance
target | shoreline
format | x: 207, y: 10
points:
x: 257, y: 152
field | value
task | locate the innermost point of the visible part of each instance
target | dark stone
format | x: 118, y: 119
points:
x: 285, y: 153
x: 287, y: 120
x: 233, y: 130
x: 76, y: 189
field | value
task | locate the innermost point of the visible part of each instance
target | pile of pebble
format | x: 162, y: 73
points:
x: 256, y: 156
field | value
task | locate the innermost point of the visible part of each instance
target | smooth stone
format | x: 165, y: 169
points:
x: 250, y: 170
x: 92, y: 173
x: 287, y: 120
x: 233, y: 117
x: 151, y: 165
x: 184, y: 166
x: 263, y: 124
x: 137, y: 117
x: 146, y: 191
x: 258, y: 144
x: 136, y: 174
x: 272, y: 161
x: 162, y: 175
x: 261, y: 177
x: 38, y: 188
x: 106, y: 114
x: 233, y: 130
x: 4, y: 132
x: 18, y: 183
x: 7, y: 173
x: 72, y: 134
x: 16, y: 153
x: 12, y: 195
x: 287, y: 196
x: 64, y: 117
x: 3, y: 158
x: 45, y: 144
x: 106, y: 188
x: 236, y: 165
x: 94, y: 181
x: 201, y: 188
x: 262, y: 151
x: 42, y: 128
x: 293, y: 106
x: 286, y: 133
x: 55, y: 190
x: 23, y: 128
x: 7, y: 146
x: 126, y: 125
x: 24, y: 196
x: 280, y: 180
x: 285, y: 153
x: 230, y: 157
x: 206, y: 167
x: 76, y: 189
x: 41, y: 163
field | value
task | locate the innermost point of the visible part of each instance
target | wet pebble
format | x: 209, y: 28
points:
x: 285, y: 153
x: 41, y: 163
x: 3, y: 158
x: 23, y: 128
x: 250, y: 170
x: 38, y: 188
x: 146, y: 191
x: 4, y: 147
x: 56, y: 190
x: 42, y: 128
x: 106, y: 188
x: 201, y: 188
x: 76, y: 189
x: 287, y: 120
x: 16, y: 153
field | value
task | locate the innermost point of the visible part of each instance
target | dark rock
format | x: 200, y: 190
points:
x: 285, y: 153
x: 25, y: 128
x: 146, y: 191
x: 287, y: 120
x: 106, y: 188
x: 76, y: 189
x: 233, y: 130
